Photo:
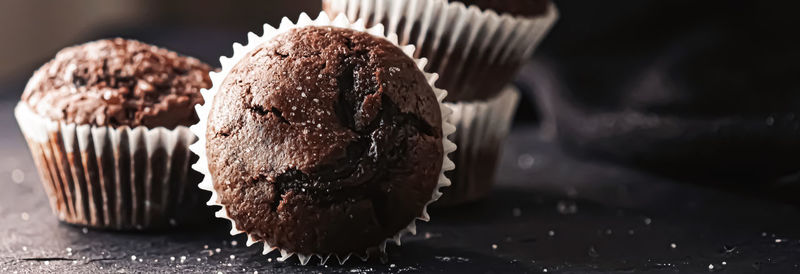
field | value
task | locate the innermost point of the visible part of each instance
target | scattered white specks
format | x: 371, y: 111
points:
x: 183, y: 259
x: 300, y: 88
x: 392, y: 265
x: 17, y: 176
x: 133, y: 257
x: 46, y: 263
x: 255, y: 272
x: 155, y: 260
x: 172, y: 259
x: 219, y: 272
x: 777, y: 241
x: 567, y: 207
x: 673, y: 245
x: 551, y: 233
x: 218, y: 250
x: 25, y: 216
x: 710, y: 266
x: 648, y: 221
x: 494, y: 246
x: 544, y: 270
x: 294, y: 108
x: 525, y: 161
x: 205, y: 247
x: 199, y: 260
x: 450, y: 259
x: 140, y: 260
x: 394, y: 69
x: 302, y: 94
x: 316, y: 100
x: 69, y: 250
x: 233, y: 257
x: 269, y: 260
x: 234, y: 243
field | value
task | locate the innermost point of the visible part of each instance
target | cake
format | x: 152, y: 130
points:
x: 324, y: 140
x: 107, y: 124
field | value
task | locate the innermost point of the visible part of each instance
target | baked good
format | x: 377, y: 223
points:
x: 107, y: 123
x: 324, y: 140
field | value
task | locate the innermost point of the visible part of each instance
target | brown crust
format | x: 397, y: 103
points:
x: 118, y: 82
x: 325, y: 140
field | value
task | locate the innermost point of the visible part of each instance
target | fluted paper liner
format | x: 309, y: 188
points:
x: 111, y: 178
x: 254, y: 41
x: 464, y: 44
x: 481, y: 129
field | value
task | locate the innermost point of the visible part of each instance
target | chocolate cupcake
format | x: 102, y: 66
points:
x: 475, y: 49
x: 322, y: 139
x: 107, y: 124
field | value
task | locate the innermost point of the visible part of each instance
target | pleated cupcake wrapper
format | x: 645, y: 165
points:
x: 481, y: 130
x: 239, y: 51
x: 110, y: 178
x: 464, y: 43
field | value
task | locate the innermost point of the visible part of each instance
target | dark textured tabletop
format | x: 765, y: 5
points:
x: 548, y: 213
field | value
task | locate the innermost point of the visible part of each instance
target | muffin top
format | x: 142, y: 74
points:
x: 324, y: 140
x: 118, y: 82
x: 513, y: 7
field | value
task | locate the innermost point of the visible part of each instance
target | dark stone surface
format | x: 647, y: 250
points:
x: 603, y: 218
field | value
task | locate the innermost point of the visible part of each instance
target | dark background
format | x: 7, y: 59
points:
x: 659, y: 122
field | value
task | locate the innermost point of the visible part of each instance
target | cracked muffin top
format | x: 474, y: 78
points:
x: 324, y: 140
x: 513, y: 7
x: 118, y: 82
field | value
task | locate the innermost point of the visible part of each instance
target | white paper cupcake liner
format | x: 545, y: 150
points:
x: 254, y: 41
x: 463, y: 44
x: 481, y: 130
x: 112, y: 178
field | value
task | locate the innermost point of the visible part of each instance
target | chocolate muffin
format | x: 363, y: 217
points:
x: 323, y: 141
x: 513, y: 7
x: 116, y: 83
x: 106, y: 123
